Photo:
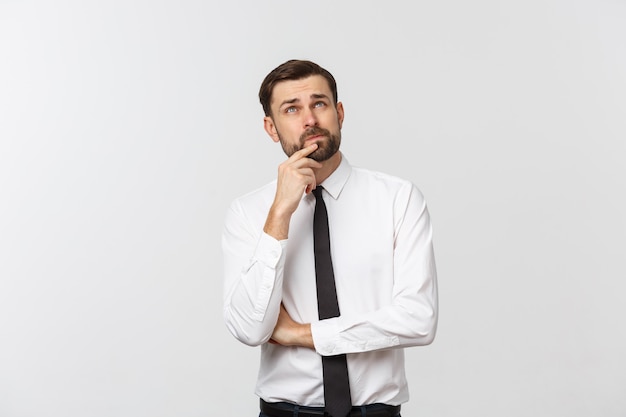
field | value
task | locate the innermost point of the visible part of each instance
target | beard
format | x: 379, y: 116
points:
x: 325, y: 150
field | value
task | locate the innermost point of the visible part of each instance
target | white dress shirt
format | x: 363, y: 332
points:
x: 381, y: 247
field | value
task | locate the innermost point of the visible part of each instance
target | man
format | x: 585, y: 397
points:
x: 323, y: 219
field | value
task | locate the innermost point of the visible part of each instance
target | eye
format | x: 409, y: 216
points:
x: 291, y: 109
x: 320, y: 104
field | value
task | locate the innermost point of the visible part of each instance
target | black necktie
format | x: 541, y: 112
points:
x: 336, y: 384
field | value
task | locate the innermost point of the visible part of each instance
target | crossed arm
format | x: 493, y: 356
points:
x: 253, y: 297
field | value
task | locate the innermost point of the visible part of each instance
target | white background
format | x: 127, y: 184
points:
x: 127, y: 127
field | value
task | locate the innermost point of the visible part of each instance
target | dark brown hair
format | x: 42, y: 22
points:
x: 292, y: 70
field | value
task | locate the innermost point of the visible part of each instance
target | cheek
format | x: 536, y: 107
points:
x: 290, y: 129
x: 333, y: 119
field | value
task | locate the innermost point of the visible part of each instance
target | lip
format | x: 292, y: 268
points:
x: 314, y: 138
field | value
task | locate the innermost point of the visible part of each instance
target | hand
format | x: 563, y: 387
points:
x: 287, y: 332
x: 295, y: 176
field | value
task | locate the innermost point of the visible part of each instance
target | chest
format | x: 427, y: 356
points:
x: 362, y: 247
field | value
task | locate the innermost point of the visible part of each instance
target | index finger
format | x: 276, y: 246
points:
x: 304, y: 152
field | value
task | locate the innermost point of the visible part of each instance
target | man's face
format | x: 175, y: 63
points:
x: 303, y: 112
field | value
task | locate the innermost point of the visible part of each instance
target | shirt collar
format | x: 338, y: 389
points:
x: 335, y: 182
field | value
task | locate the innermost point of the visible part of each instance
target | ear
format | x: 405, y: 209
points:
x: 340, y: 113
x: 270, y: 128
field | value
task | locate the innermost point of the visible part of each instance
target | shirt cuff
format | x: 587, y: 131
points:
x: 330, y: 338
x: 269, y: 250
x: 324, y: 337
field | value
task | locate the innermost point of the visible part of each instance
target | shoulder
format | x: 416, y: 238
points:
x: 380, y: 182
x: 258, y: 199
x: 370, y: 175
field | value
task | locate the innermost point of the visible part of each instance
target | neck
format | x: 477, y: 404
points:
x: 328, y: 167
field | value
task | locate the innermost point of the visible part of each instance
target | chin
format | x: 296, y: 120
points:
x: 323, y: 154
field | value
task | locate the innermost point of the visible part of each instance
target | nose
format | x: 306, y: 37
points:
x: 310, y: 119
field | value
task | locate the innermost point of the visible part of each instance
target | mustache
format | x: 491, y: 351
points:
x: 314, y: 131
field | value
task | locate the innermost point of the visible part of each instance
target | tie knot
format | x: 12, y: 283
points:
x: 318, y: 191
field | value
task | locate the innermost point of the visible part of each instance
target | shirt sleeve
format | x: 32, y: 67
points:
x: 253, y: 275
x: 411, y: 317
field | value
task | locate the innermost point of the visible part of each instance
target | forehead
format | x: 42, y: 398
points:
x: 300, y: 89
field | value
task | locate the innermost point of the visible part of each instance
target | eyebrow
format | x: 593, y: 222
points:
x: 293, y: 100
x: 320, y: 95
x: 297, y: 100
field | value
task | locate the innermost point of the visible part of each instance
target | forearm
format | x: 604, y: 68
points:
x: 253, y: 277
x: 393, y: 326
x: 250, y: 316
x: 408, y: 317
x: 254, y: 274
x: 290, y: 333
x: 277, y: 223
